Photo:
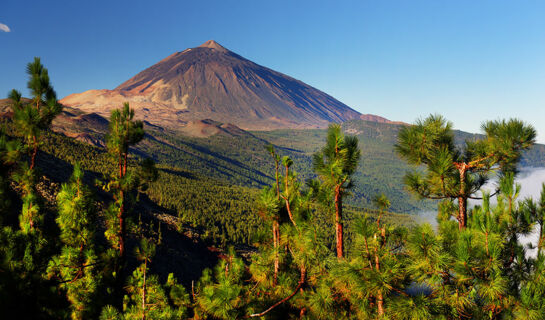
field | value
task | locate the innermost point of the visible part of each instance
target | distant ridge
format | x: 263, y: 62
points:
x: 212, y: 82
x: 374, y: 118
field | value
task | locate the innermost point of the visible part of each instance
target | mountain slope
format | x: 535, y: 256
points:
x: 225, y: 152
x: 239, y: 157
x: 211, y: 82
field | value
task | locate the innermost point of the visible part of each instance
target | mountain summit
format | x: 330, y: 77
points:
x: 212, y: 82
x: 213, y: 45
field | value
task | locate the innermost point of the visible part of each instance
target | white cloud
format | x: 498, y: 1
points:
x: 4, y: 28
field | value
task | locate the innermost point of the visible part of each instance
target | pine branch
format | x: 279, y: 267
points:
x: 299, y: 286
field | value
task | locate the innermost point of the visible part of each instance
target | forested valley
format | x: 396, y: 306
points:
x: 129, y: 231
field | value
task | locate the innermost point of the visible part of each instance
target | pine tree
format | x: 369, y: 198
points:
x: 531, y: 304
x: 146, y: 298
x: 270, y: 208
x: 25, y: 252
x: 383, y: 203
x: 76, y: 268
x: 306, y: 255
x: 234, y: 291
x: 123, y: 133
x: 374, y: 278
x: 269, y: 204
x: 222, y: 293
x: 458, y: 173
x: 482, y: 271
x: 537, y: 211
x: 32, y: 119
x: 335, y: 164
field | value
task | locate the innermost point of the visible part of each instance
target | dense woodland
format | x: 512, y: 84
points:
x: 82, y: 248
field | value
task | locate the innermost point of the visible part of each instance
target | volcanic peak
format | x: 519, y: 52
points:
x: 213, y: 45
x: 211, y: 82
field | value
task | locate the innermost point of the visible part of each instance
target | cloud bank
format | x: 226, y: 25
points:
x: 4, y: 28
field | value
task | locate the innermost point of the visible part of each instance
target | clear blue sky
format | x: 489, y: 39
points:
x: 468, y: 60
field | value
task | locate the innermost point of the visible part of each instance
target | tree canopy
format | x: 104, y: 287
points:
x: 458, y: 172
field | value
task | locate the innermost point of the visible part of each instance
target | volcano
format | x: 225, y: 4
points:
x: 212, y: 82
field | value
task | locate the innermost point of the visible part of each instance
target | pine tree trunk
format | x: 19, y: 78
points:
x: 380, y: 303
x: 462, y: 198
x: 302, y: 313
x: 380, y: 298
x: 287, y: 198
x: 121, y: 213
x: 125, y: 161
x: 276, y: 230
x: 277, y: 181
x: 541, y: 238
x: 120, y: 217
x: 120, y: 164
x: 339, y: 222
x: 290, y: 214
x: 462, y: 213
x: 276, y: 236
x: 34, y: 152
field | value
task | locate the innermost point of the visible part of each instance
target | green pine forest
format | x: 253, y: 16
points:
x: 285, y: 224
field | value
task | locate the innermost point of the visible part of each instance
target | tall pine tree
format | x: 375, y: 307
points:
x: 124, y: 132
x: 31, y: 120
x: 76, y: 268
x: 455, y: 172
x: 335, y: 164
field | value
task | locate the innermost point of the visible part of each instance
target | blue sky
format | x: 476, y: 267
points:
x: 467, y: 60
